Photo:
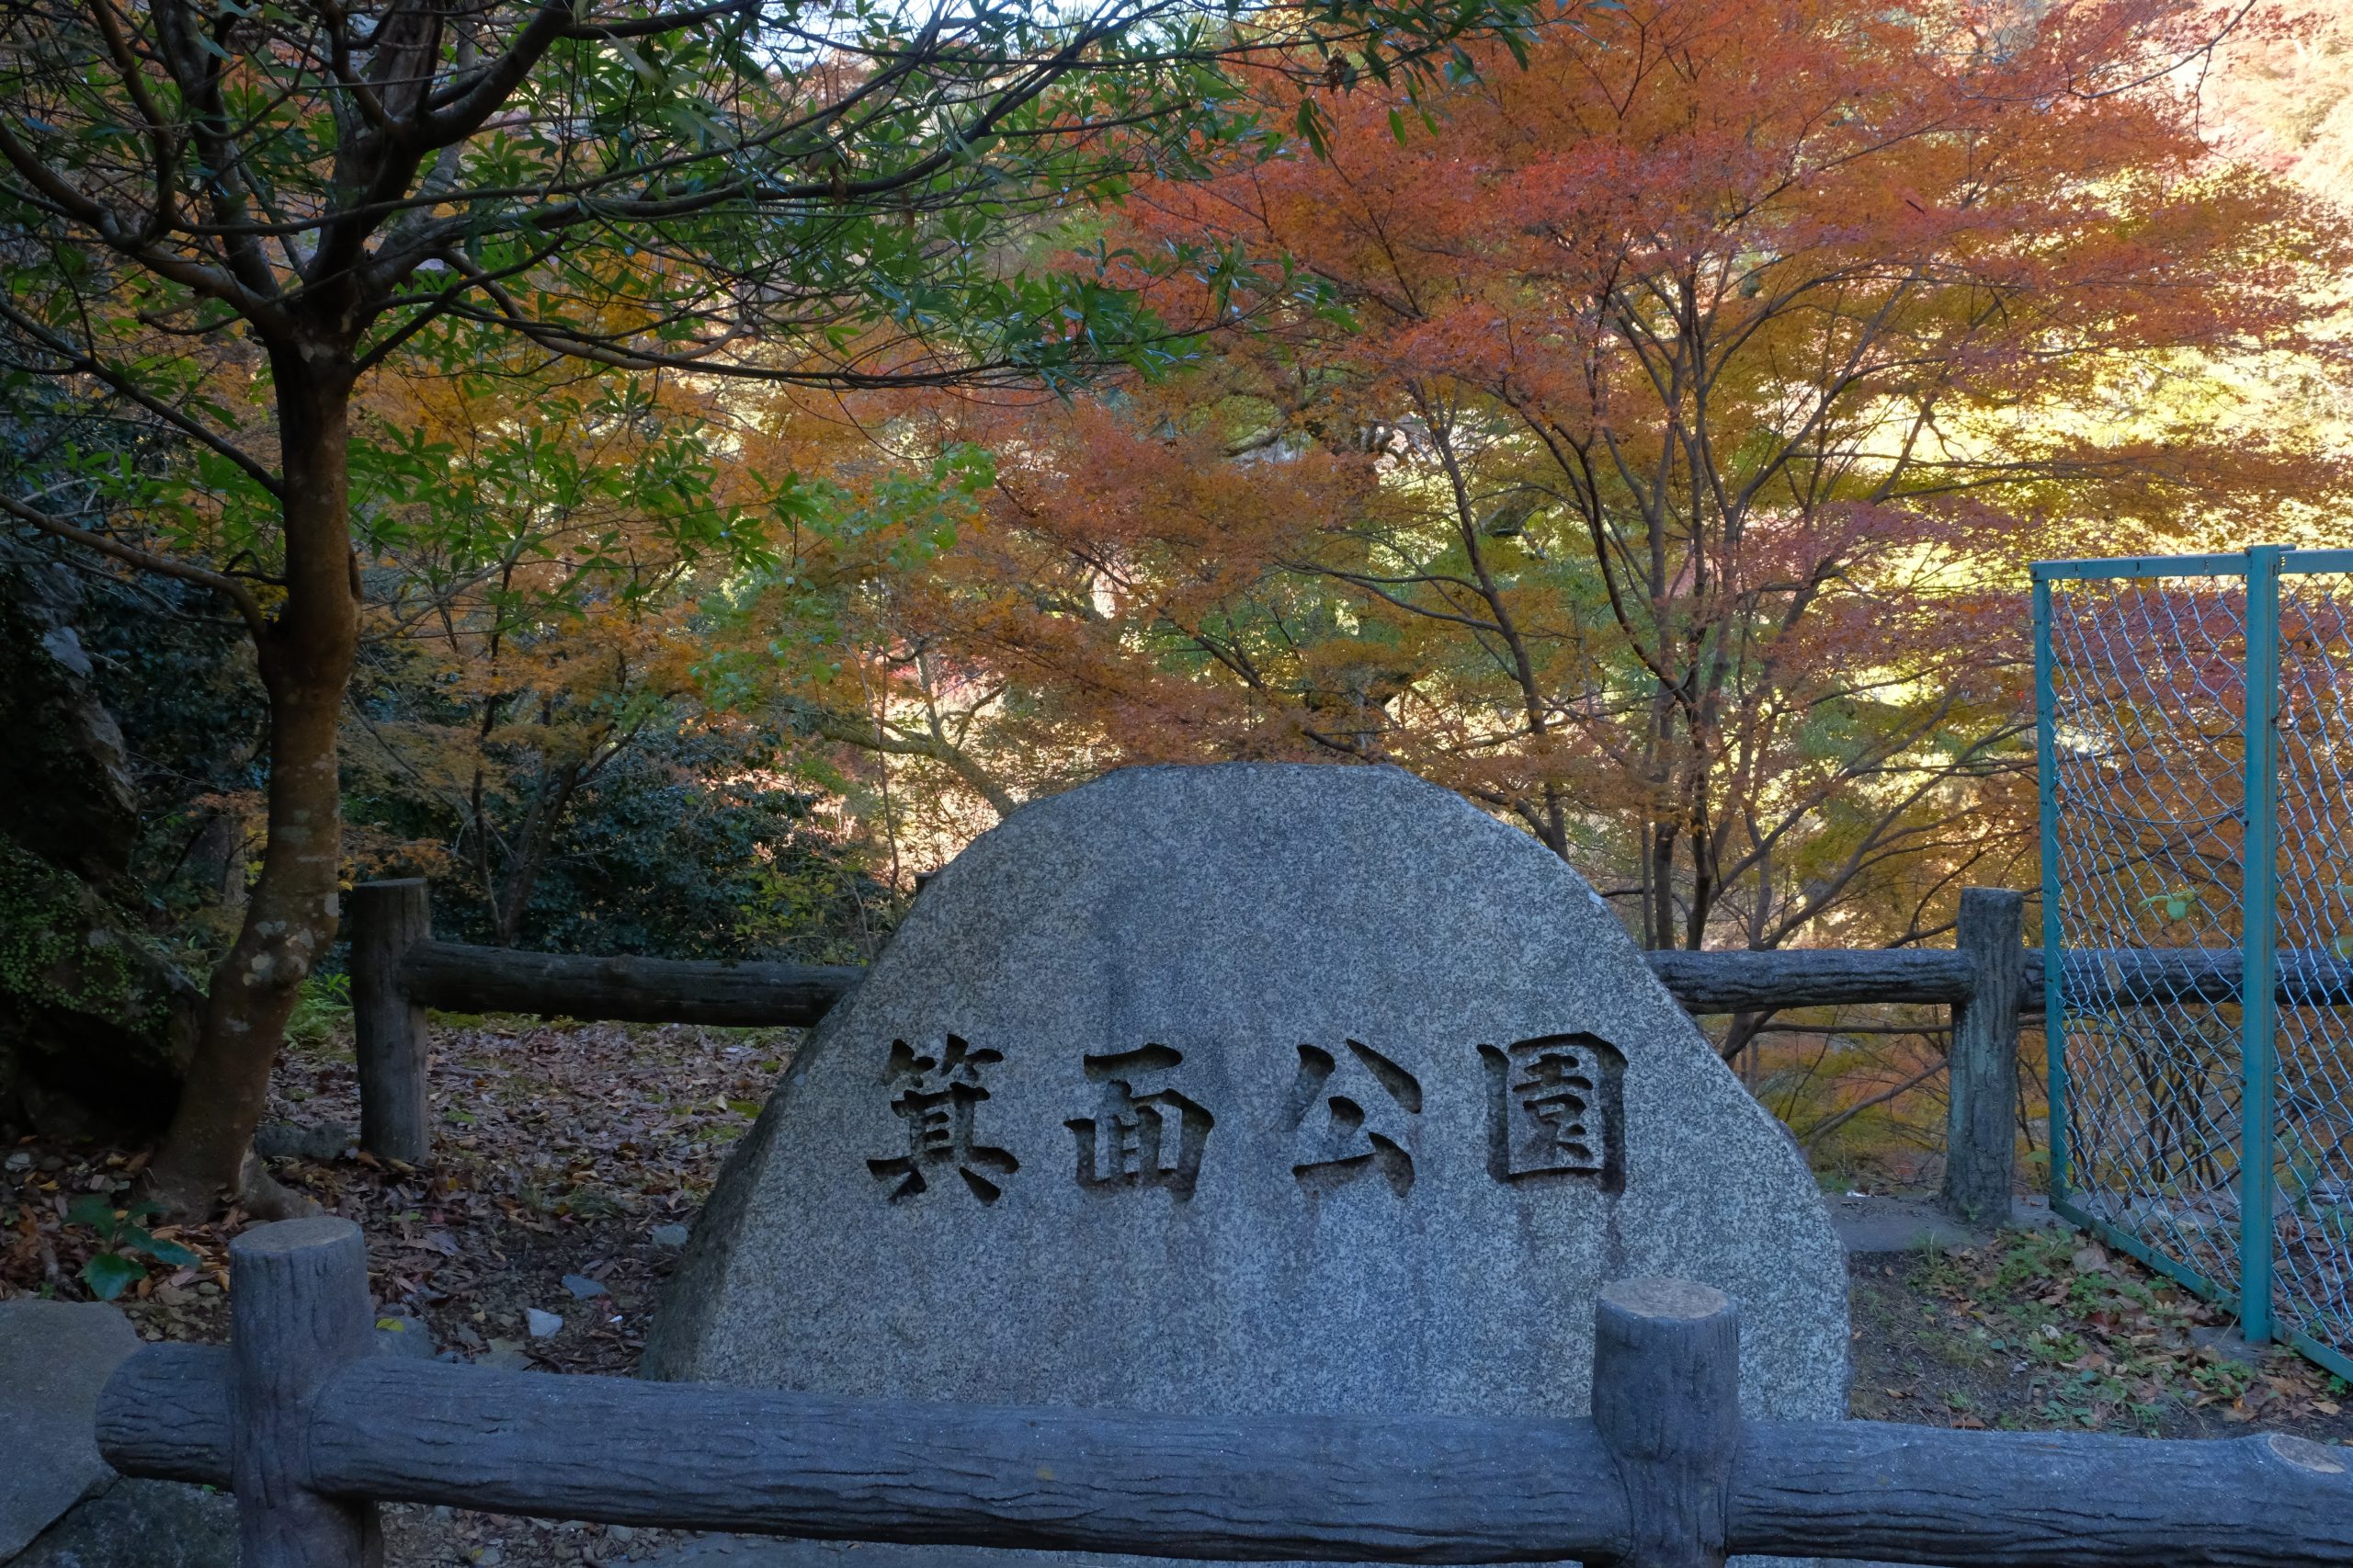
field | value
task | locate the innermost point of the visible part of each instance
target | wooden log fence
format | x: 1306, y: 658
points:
x: 388, y: 921
x: 647, y: 991
x: 1982, y: 1059
x: 1988, y: 979
x: 1665, y: 1473
x: 398, y: 971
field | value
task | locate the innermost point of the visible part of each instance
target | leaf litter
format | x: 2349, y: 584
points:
x: 2048, y: 1330
x: 567, y: 1159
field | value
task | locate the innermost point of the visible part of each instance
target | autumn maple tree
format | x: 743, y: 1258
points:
x: 550, y: 557
x: 535, y: 546
x: 1657, y: 458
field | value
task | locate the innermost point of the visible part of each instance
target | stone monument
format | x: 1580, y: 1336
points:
x: 1250, y: 1089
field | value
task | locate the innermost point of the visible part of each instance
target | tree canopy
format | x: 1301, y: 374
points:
x: 227, y: 216
x: 1634, y: 414
x: 1661, y: 466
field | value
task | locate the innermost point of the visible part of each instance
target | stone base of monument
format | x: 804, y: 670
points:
x: 1872, y: 1223
x: 141, y: 1524
x: 755, y: 1551
x: 1247, y: 1089
x: 61, y: 1504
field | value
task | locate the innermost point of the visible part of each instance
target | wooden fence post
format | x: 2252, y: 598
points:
x: 1980, y: 1123
x: 387, y: 1024
x: 1666, y: 1404
x: 298, y: 1313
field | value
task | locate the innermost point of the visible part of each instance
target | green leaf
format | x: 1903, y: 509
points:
x: 1309, y: 122
x: 109, y: 1274
x: 171, y: 1253
x: 95, y: 1210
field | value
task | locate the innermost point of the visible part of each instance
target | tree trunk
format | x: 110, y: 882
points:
x: 305, y: 659
x: 534, y: 843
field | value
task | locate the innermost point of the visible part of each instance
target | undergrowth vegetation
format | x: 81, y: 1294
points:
x: 2037, y: 1330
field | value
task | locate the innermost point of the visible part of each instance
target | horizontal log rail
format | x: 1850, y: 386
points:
x: 398, y: 971
x: 455, y: 977
x: 2126, y: 977
x: 1665, y: 1475
x: 458, y: 978
x: 461, y: 979
x: 1734, y: 982
x: 1731, y: 981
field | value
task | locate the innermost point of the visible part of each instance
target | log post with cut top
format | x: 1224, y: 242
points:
x: 1666, y: 1404
x: 297, y: 1315
x: 1981, y: 1071
x: 388, y: 1036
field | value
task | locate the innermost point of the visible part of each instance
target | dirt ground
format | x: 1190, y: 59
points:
x: 2051, y: 1331
x: 568, y: 1157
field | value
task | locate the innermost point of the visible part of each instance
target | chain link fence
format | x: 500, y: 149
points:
x: 2196, y: 716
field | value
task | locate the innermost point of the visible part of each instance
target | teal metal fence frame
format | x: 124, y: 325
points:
x: 2258, y: 573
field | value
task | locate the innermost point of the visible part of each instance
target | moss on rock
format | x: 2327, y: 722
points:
x: 96, y: 1026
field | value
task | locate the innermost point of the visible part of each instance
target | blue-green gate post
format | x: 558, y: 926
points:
x: 2053, y: 979
x: 2258, y: 937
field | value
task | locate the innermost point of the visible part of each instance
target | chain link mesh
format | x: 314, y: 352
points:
x: 2146, y: 771
x: 2148, y: 706
x: 2313, y: 1157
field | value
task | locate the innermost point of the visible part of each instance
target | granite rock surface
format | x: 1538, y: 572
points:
x: 142, y: 1524
x: 1250, y: 1089
x: 55, y: 1357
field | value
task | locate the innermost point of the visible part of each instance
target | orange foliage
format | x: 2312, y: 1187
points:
x: 543, y: 546
x: 1701, y: 393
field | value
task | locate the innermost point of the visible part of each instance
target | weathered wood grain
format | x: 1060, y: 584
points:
x: 297, y: 1315
x: 1820, y: 977
x: 1398, y: 1489
x: 2040, y: 1500
x: 1666, y: 1406
x: 1981, y: 1120
x: 1812, y: 977
x: 387, y: 919
x: 458, y: 978
x: 165, y: 1411
x: 2136, y: 976
x: 1405, y: 1490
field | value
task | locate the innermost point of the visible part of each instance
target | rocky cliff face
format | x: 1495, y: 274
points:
x: 95, y: 1024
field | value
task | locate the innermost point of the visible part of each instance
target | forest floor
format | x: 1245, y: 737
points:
x: 569, y: 1158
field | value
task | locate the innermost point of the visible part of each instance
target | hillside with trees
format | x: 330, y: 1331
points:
x: 671, y: 476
